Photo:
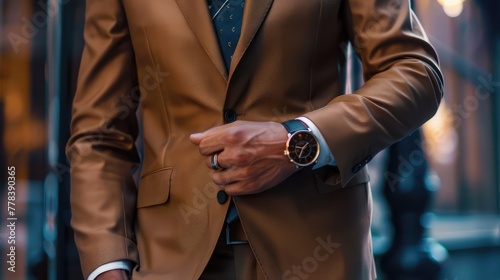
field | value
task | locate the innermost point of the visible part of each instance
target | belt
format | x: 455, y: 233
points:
x: 235, y: 235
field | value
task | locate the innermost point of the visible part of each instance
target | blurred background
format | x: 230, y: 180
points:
x: 436, y: 193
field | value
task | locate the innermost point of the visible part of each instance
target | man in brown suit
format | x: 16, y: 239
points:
x: 218, y: 196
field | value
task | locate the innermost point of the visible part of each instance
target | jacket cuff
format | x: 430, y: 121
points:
x: 121, y: 264
x: 325, y: 155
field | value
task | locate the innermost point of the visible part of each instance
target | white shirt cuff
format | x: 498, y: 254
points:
x: 325, y: 155
x: 125, y: 265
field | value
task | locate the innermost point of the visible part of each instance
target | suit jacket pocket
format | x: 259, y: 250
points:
x: 154, y: 188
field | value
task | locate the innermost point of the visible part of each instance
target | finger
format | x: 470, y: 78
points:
x: 235, y: 174
x: 210, y: 141
x: 224, y: 177
x: 196, y: 138
x: 210, y: 164
x: 235, y: 189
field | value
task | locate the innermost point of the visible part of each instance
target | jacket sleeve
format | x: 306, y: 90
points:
x: 102, y: 148
x: 403, y: 84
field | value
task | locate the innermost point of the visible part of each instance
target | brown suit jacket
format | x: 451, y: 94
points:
x: 164, y: 55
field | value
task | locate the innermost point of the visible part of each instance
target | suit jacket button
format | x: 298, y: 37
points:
x: 222, y: 197
x: 230, y: 116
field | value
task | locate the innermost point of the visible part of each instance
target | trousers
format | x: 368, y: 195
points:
x: 233, y: 262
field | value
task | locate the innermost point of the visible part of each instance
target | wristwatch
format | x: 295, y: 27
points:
x: 302, y: 147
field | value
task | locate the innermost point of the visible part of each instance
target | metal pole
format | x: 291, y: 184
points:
x: 53, y: 94
x: 496, y: 111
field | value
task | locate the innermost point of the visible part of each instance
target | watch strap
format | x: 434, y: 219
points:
x: 294, y: 125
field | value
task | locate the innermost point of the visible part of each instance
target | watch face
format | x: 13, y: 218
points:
x: 302, y: 148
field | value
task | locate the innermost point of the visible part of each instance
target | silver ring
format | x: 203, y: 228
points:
x: 213, y: 162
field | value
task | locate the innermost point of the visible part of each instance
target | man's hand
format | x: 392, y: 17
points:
x: 117, y: 274
x: 250, y: 153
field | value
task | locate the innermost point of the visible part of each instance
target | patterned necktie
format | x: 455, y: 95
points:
x: 227, y: 16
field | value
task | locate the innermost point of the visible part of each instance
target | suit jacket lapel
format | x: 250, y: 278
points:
x: 254, y: 13
x: 197, y: 14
